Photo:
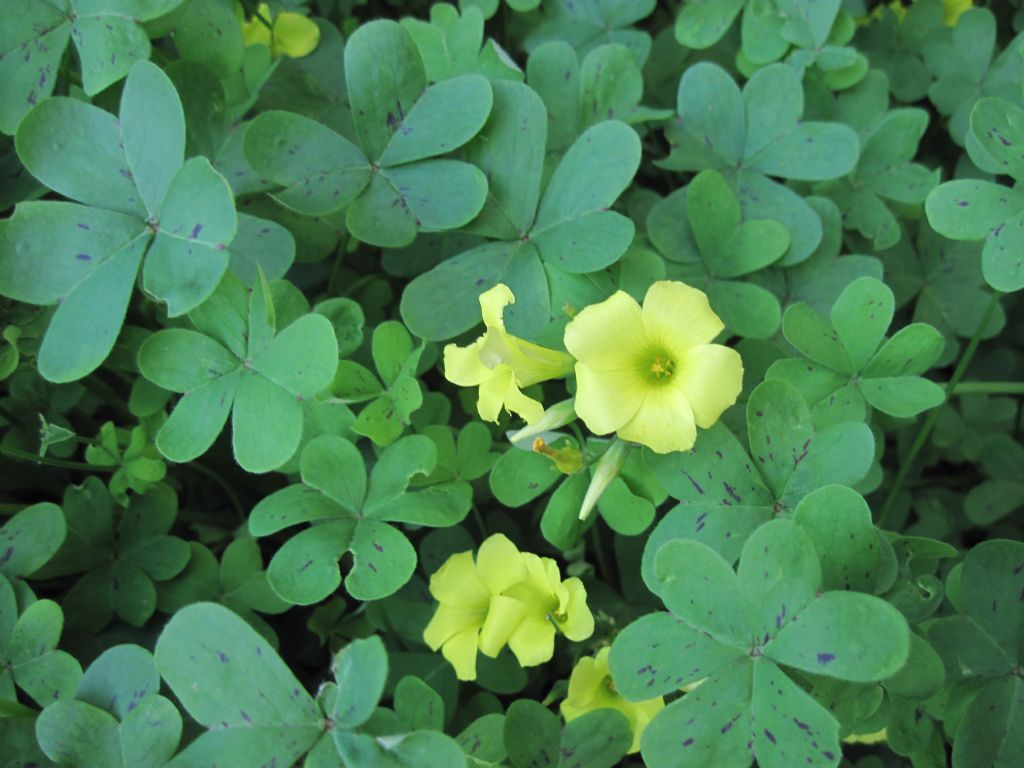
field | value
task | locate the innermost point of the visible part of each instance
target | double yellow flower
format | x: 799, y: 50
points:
x: 504, y: 597
x: 649, y: 374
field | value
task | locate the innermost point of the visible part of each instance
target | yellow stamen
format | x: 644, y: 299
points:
x: 662, y: 367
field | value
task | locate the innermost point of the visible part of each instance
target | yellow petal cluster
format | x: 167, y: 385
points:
x: 650, y: 374
x: 292, y: 34
x: 952, y: 10
x: 501, y: 364
x: 591, y: 687
x: 504, y: 597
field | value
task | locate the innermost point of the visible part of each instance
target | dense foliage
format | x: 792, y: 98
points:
x: 610, y: 382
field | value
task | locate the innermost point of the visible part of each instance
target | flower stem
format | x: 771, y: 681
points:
x: 47, y: 461
x: 989, y: 388
x: 926, y: 429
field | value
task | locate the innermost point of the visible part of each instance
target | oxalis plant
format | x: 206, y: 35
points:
x: 521, y: 383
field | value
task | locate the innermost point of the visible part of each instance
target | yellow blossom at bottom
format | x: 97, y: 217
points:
x: 504, y: 597
x: 591, y: 687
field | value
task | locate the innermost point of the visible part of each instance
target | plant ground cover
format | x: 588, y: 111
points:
x: 522, y: 383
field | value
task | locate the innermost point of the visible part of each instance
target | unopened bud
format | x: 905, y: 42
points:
x: 607, y: 469
x: 567, y: 459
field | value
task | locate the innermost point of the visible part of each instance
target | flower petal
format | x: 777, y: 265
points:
x: 679, y: 316
x: 533, y: 642
x: 492, y: 305
x: 463, y: 367
x: 579, y: 621
x: 457, y: 583
x: 607, y: 399
x: 531, y: 363
x: 664, y: 422
x: 609, y: 334
x: 711, y: 377
x: 501, y: 391
x: 295, y: 35
x: 585, y: 682
x: 503, y: 619
x: 460, y: 650
x: 499, y: 564
x: 448, y: 621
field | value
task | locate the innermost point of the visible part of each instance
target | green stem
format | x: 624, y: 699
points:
x: 479, y: 522
x: 933, y: 416
x: 14, y: 453
x: 989, y: 388
x: 236, y: 503
x: 602, y: 560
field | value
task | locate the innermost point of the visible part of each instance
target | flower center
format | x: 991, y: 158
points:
x: 657, y: 367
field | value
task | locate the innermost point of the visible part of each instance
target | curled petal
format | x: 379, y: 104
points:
x: 501, y: 391
x: 578, y: 623
x: 462, y: 365
x: 503, y: 619
x: 711, y: 377
x: 460, y: 650
x: 449, y: 621
x: 499, y: 563
x: 295, y: 35
x: 492, y: 305
x: 533, y: 642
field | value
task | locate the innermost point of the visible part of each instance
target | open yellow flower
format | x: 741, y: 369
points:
x: 473, y: 614
x: 590, y: 688
x: 550, y: 603
x: 292, y: 34
x: 651, y: 375
x: 501, y: 364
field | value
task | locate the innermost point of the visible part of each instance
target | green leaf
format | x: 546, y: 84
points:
x: 532, y: 734
x: 990, y: 729
x: 78, y: 734
x: 30, y: 538
x: 838, y: 521
x: 709, y: 726
x: 702, y: 23
x: 226, y: 675
x: 209, y: 33
x: 861, y: 316
x: 717, y: 607
x: 152, y: 125
x: 197, y: 419
x: 32, y: 43
x: 385, y: 77
x: 788, y: 726
x: 75, y: 149
x: 384, y: 560
x: 970, y: 209
x: 421, y: 708
x: 320, y: 170
x: 996, y: 124
x: 780, y: 429
x: 83, y: 330
x: 902, y: 396
x: 815, y: 338
x: 305, y: 569
x: 658, y: 653
x: 197, y: 222
x: 847, y: 635
x: 519, y: 477
x: 1001, y: 262
x: 599, y: 738
x: 360, y: 669
x: 446, y: 116
x: 910, y: 351
x: 778, y: 575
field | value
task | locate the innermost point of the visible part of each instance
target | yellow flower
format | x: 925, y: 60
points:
x: 292, y: 35
x: 590, y: 688
x: 953, y: 10
x: 651, y: 375
x: 501, y: 364
x: 505, y: 597
x: 550, y: 603
x: 473, y: 614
